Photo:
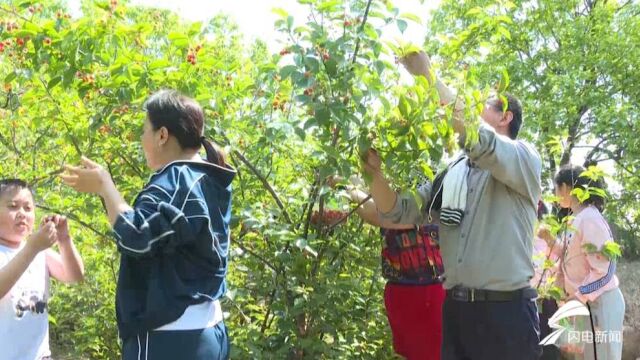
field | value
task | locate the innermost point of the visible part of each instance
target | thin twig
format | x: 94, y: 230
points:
x: 74, y: 218
x: 254, y: 254
x: 364, y: 21
x: 344, y: 218
x: 266, y: 184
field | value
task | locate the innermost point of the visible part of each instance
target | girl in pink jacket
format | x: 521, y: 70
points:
x: 585, y: 272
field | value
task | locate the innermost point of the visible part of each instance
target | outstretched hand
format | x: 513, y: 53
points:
x: 90, y: 177
x: 417, y: 63
x: 371, y: 162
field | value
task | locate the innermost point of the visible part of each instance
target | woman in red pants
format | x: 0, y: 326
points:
x: 413, y: 295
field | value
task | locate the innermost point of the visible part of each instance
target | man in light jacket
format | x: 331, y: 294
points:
x: 487, y: 206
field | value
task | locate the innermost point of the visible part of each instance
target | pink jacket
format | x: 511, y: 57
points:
x: 586, y: 276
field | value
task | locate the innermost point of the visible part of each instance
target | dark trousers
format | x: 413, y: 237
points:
x: 549, y: 307
x: 488, y: 330
x: 203, y: 344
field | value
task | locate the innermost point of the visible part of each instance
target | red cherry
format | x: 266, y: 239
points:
x: 104, y: 129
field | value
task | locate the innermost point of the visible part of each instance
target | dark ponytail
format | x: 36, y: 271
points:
x: 184, y: 119
x: 215, y: 154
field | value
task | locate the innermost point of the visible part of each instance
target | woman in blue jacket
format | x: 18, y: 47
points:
x: 174, y: 241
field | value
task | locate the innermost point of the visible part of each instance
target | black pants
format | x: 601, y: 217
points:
x: 488, y: 330
x: 549, y: 307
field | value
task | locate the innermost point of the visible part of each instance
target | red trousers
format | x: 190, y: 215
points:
x: 415, y: 317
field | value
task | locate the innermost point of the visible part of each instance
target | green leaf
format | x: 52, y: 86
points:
x: 556, y: 293
x: 402, y: 25
x: 504, y: 82
x: 68, y: 76
x: 195, y: 28
x: 312, y: 63
x: 300, y: 132
x: 158, y: 64
x: 53, y: 82
x: 287, y: 71
x: 322, y: 115
x: 611, y: 250
x: 178, y: 39
x: 504, y: 32
x: 590, y: 248
x: 329, y: 6
x: 404, y: 107
x: 331, y: 66
x: 280, y: 12
x: 402, y: 48
x: 413, y: 17
x: 474, y: 11
x: 12, y: 75
x: 371, y: 32
x: 24, y: 33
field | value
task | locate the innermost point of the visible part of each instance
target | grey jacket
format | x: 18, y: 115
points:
x: 492, y: 247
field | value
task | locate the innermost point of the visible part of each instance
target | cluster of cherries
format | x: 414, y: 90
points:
x: 328, y: 217
x: 193, y: 54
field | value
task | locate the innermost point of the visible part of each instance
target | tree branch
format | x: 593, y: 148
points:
x: 573, y: 129
x: 254, y: 254
x: 265, y: 183
x: 74, y: 218
x: 364, y: 21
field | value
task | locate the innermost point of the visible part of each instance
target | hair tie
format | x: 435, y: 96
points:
x: 203, y: 139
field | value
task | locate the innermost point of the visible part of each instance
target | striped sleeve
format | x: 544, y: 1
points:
x: 601, y: 269
x: 159, y: 221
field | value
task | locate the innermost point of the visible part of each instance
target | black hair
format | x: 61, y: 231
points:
x: 13, y: 184
x: 515, y: 107
x: 571, y: 175
x: 183, y: 118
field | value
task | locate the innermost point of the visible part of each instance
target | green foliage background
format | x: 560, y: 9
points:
x: 75, y: 86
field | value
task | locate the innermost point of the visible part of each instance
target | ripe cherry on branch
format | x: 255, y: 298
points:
x: 191, y: 58
x: 104, y: 130
x: 328, y: 217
